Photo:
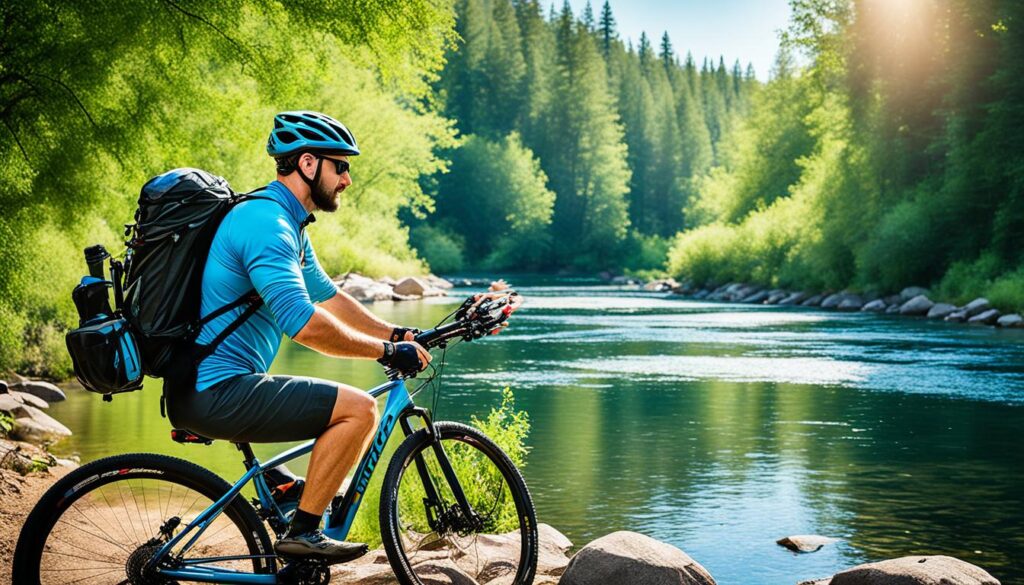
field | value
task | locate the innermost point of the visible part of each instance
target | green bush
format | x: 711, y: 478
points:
x: 985, y: 277
x: 441, y: 250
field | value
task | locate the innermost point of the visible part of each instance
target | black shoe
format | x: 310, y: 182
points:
x: 316, y: 545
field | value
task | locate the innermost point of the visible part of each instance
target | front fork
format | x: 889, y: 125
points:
x: 433, y: 502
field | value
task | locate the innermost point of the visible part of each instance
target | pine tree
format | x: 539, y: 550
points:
x: 607, y: 29
x: 666, y: 53
x: 587, y: 18
x: 644, y: 51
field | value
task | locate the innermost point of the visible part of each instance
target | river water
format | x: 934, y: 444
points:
x: 718, y: 428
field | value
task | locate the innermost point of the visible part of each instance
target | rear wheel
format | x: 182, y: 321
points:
x: 103, y: 522
x: 426, y: 533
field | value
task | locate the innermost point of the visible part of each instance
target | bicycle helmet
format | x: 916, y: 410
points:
x: 303, y: 131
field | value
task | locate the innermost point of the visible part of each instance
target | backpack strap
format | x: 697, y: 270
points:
x: 251, y: 298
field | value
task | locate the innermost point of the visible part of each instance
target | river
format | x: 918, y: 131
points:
x: 718, y: 428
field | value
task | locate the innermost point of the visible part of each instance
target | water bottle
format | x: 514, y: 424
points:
x: 94, y: 257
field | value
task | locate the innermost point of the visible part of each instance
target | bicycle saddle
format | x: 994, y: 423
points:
x: 187, y: 436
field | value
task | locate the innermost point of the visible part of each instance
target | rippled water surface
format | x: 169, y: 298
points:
x: 718, y: 428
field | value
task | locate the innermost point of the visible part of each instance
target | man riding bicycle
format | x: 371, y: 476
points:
x: 261, y: 245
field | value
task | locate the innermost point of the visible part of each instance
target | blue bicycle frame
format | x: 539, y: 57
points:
x: 399, y: 407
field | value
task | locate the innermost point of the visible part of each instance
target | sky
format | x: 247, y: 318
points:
x: 736, y: 29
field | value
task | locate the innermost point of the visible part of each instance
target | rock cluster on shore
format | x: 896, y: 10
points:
x: 912, y: 301
x: 24, y: 401
x: 629, y: 558
x: 410, y: 288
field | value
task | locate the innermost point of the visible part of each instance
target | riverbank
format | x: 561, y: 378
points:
x: 913, y: 301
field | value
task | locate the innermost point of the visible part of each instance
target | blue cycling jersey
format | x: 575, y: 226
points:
x: 260, y: 245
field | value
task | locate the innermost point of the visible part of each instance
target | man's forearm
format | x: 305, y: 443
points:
x: 327, y: 334
x: 352, y: 313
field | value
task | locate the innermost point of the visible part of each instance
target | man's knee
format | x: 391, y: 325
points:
x: 356, y: 406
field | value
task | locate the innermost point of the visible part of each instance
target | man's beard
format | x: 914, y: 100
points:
x: 323, y: 198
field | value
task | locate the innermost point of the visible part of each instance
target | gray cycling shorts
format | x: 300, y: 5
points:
x: 256, y: 408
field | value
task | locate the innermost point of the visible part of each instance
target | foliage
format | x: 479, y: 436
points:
x: 99, y: 96
x: 6, y: 423
x: 890, y: 160
x: 495, y: 197
x: 443, y: 251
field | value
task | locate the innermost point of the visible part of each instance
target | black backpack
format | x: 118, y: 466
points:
x: 157, y: 291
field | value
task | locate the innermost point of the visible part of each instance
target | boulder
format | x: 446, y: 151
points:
x: 1013, y: 320
x: 919, y: 305
x: 369, y: 291
x: 893, y: 300
x: 437, y: 282
x: 930, y: 570
x: 941, y: 311
x: 893, y: 309
x: 40, y: 389
x: 756, y: 298
x: 775, y: 296
x: 976, y: 306
x: 850, y: 303
x: 814, y: 301
x: 911, y: 292
x: 387, y: 280
x: 38, y: 427
x: 832, y: 301
x: 875, y: 306
x: 411, y: 285
x: 988, y: 317
x: 9, y: 403
x: 793, y: 299
x: 701, y: 294
x: 661, y: 285
x: 628, y: 557
x: 956, y: 316
x: 805, y: 543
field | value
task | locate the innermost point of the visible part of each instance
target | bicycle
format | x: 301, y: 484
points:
x: 445, y: 485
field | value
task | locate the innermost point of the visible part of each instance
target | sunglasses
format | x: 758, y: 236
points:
x: 341, y: 166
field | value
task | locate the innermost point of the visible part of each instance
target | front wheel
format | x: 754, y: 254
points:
x: 426, y: 531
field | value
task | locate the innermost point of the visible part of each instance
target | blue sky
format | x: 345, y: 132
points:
x: 736, y: 29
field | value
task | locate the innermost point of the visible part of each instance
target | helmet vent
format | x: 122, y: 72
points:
x: 308, y: 134
x: 286, y: 137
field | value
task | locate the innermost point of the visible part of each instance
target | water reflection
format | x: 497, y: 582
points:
x: 719, y: 428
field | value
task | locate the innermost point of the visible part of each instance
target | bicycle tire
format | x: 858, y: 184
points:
x: 142, y: 467
x: 415, y: 445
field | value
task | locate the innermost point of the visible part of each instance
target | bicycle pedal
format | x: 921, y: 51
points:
x: 305, y: 572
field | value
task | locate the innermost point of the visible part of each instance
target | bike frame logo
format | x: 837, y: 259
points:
x: 375, y: 450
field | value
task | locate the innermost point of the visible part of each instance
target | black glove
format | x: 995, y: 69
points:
x: 398, y: 333
x: 401, y: 356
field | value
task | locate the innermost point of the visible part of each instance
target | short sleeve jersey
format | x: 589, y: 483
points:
x: 261, y: 245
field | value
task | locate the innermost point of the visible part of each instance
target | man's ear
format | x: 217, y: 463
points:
x: 307, y: 160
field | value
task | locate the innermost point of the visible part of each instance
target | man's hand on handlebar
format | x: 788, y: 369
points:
x: 407, y: 357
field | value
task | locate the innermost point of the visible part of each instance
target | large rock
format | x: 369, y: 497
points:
x: 38, y: 427
x: 893, y: 309
x: 956, y: 316
x: 805, y: 543
x: 875, y: 306
x: 814, y: 301
x: 941, y: 311
x: 628, y: 557
x: 775, y: 296
x: 368, y: 292
x: 850, y: 303
x: 988, y: 317
x: 919, y: 305
x: 931, y: 570
x: 11, y: 405
x: 40, y: 389
x: 411, y: 285
x: 1013, y: 320
x: 832, y: 301
x: 911, y: 292
x: 793, y: 299
x: 661, y: 285
x: 756, y: 298
x: 976, y: 306
x: 437, y: 282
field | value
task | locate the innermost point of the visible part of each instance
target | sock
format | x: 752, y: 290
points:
x: 303, y: 522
